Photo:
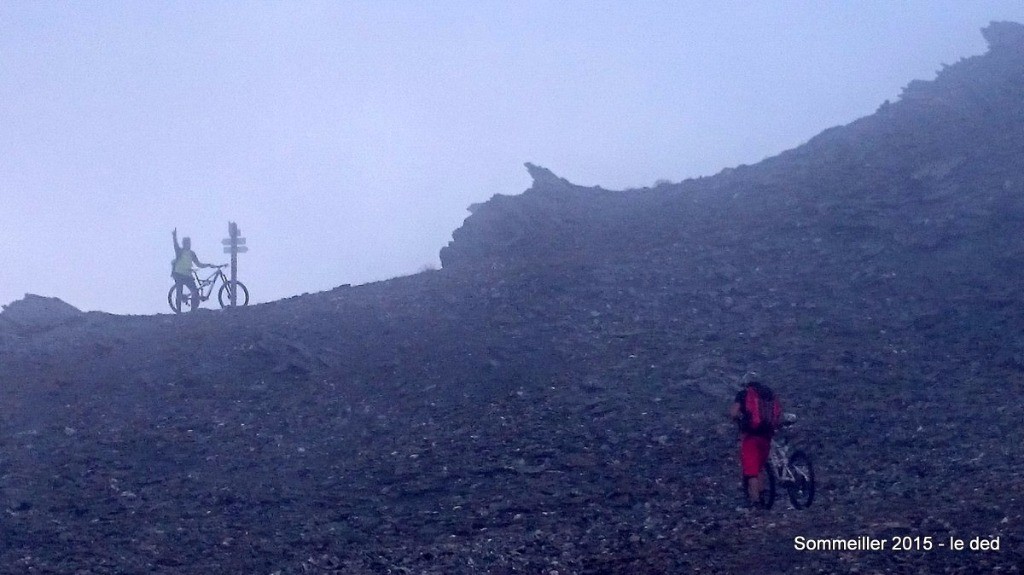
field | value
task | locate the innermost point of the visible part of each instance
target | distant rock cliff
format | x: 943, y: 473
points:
x: 940, y: 169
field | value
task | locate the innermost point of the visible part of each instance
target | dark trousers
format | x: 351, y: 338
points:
x: 183, y: 281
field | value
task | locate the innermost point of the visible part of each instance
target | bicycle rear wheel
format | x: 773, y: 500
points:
x: 224, y: 295
x: 801, y: 490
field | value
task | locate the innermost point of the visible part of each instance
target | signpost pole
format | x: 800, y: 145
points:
x: 233, y: 234
x: 234, y: 244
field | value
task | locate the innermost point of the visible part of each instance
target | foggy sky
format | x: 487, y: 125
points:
x: 348, y: 138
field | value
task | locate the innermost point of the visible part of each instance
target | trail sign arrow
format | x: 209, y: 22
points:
x: 238, y: 241
x: 238, y: 250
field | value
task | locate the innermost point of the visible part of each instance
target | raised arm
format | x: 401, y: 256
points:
x: 177, y: 248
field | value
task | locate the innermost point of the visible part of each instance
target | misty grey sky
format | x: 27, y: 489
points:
x: 348, y: 138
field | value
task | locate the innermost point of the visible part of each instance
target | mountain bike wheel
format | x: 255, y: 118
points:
x: 768, y: 486
x: 186, y: 299
x: 801, y: 490
x: 224, y: 295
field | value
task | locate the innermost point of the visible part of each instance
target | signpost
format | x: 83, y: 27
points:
x: 234, y: 244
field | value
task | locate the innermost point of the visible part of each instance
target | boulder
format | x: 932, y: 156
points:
x: 34, y: 312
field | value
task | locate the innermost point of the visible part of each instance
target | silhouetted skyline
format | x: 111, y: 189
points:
x: 347, y: 139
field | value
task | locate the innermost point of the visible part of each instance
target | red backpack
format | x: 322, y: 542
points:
x: 762, y: 409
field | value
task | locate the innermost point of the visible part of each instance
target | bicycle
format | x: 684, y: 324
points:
x: 205, y: 291
x: 793, y: 471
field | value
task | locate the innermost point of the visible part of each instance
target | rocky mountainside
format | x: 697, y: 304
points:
x: 553, y: 399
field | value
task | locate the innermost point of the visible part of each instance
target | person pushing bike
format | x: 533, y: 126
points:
x: 181, y: 268
x: 758, y: 412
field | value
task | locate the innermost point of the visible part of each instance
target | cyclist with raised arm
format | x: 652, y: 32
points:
x: 757, y: 411
x: 181, y: 268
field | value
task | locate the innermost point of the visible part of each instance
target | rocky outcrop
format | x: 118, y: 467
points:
x: 550, y: 218
x: 36, y: 313
x: 1004, y: 35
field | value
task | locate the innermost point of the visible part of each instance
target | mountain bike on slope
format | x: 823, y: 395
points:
x: 791, y: 470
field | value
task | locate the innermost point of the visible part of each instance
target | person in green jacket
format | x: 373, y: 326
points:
x: 181, y: 269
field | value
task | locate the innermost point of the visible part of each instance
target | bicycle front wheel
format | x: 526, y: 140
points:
x: 186, y: 299
x: 224, y: 295
x: 768, y: 486
x: 801, y: 490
